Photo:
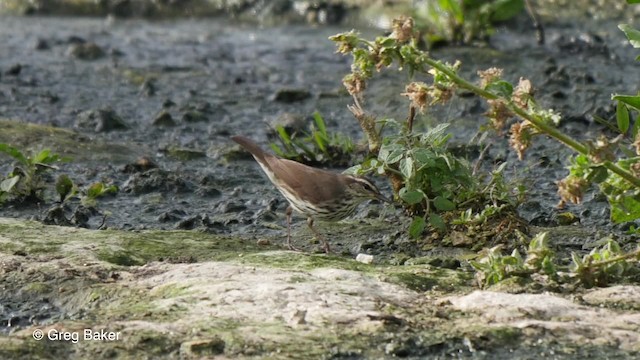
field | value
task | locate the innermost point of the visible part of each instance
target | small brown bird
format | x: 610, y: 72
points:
x: 315, y: 193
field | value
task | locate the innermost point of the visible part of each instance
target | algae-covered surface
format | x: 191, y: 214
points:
x: 179, y: 294
x: 186, y: 259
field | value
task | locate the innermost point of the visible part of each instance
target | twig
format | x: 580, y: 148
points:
x: 536, y: 23
x: 476, y: 167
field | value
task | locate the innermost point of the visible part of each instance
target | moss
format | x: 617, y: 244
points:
x: 170, y: 291
x: 68, y: 143
x: 119, y: 257
x: 416, y: 282
x: 37, y: 288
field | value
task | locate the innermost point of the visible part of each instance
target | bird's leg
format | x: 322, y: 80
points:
x: 289, y: 244
x: 325, y: 244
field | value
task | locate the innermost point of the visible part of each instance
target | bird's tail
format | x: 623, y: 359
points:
x: 250, y: 146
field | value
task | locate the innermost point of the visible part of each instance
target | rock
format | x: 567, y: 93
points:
x: 142, y: 164
x: 292, y: 124
x: 197, y: 349
x: 185, y: 154
x: 154, y: 180
x: 41, y: 44
x: 194, y: 116
x: 291, y: 95
x: 101, y: 120
x: 364, y: 258
x: 86, y: 51
x: 619, y: 296
x: 14, y: 70
x: 163, y: 118
x: 148, y: 88
x: 549, y: 315
x: 56, y: 216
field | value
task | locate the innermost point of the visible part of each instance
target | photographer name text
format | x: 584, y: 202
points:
x: 77, y: 336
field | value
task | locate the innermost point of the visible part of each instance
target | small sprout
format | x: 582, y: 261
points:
x: 99, y: 189
x: 64, y: 187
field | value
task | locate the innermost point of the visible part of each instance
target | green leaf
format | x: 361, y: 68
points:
x: 14, y: 153
x: 626, y: 209
x: 436, y: 221
x: 284, y: 136
x: 503, y: 10
x: 7, y: 184
x: 443, y: 204
x: 547, y: 266
x: 320, y: 122
x: 622, y: 116
x: 632, y: 34
x: 391, y: 153
x: 598, y: 174
x: 423, y: 157
x: 411, y: 197
x: 42, y: 157
x: 320, y: 141
x: 406, y: 167
x: 633, y: 101
x: 417, y: 226
x: 63, y: 186
x: 354, y: 170
x: 501, y: 88
x: 95, y: 190
x: 636, y: 127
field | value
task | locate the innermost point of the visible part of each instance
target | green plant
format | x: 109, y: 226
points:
x: 492, y: 266
x: 65, y: 188
x: 600, y: 267
x: 26, y: 180
x: 97, y: 190
x: 425, y: 176
x: 462, y: 21
x: 597, y: 161
x: 431, y: 177
x: 319, y: 146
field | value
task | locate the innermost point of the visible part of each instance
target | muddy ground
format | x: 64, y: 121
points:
x: 107, y: 92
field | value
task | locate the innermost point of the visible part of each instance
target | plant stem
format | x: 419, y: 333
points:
x: 630, y: 255
x: 541, y: 125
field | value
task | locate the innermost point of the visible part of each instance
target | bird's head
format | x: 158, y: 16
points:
x: 362, y: 188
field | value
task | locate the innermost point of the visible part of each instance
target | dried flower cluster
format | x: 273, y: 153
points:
x: 488, y: 76
x: 602, y: 149
x: 423, y: 95
x: 402, y: 29
x: 354, y: 83
x: 522, y: 93
x: 520, y: 137
x: 571, y: 189
x: 418, y: 93
x: 498, y: 114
